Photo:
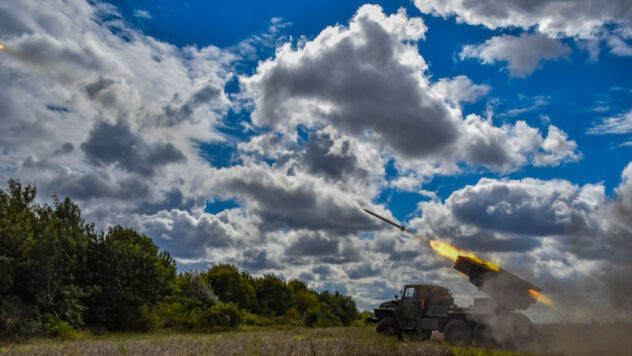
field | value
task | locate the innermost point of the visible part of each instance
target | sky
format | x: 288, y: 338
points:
x: 253, y: 133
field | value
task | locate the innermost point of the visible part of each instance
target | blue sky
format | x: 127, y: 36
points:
x: 254, y: 132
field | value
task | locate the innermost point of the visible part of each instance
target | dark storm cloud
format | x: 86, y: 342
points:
x: 361, y: 78
x: 313, y: 245
x: 117, y: 144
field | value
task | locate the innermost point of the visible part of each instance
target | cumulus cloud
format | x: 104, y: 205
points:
x: 579, y: 18
x: 523, y: 53
x: 509, y: 147
x: 190, y: 235
x: 109, y: 105
x: 373, y: 85
x: 376, y: 92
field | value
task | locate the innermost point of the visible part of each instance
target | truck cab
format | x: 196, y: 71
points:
x: 416, y: 311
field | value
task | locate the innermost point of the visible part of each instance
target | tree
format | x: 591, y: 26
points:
x: 230, y: 285
x: 128, y: 273
x: 273, y: 295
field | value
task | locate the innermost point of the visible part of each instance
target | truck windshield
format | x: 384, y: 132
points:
x: 409, y: 292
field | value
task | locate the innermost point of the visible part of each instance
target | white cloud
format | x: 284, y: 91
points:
x: 620, y: 124
x: 460, y: 89
x: 107, y: 104
x: 376, y: 92
x: 510, y: 147
x: 143, y: 14
x: 579, y: 18
x: 523, y: 53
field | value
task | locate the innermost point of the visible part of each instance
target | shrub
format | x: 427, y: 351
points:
x: 60, y: 329
x: 222, y: 315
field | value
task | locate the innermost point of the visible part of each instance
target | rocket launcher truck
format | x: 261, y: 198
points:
x: 494, y: 321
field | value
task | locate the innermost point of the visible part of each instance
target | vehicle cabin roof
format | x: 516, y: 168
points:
x: 423, y: 285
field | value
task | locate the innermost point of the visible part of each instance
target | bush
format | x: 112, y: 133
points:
x: 17, y: 318
x: 249, y: 318
x: 143, y: 319
x: 222, y: 315
x: 59, y: 329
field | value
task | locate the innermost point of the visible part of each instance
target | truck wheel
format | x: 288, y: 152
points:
x: 388, y: 326
x: 458, y: 333
x: 483, y: 336
x: 523, y: 330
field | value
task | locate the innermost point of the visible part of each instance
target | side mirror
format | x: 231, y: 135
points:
x: 396, y: 296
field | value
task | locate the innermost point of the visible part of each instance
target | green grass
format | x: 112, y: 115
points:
x: 246, y: 341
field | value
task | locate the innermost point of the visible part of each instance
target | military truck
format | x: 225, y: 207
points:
x: 421, y: 309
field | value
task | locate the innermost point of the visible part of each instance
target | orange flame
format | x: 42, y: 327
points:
x: 451, y: 252
x: 2, y: 46
x: 540, y: 297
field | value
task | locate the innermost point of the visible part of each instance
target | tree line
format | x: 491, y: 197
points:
x: 58, y: 274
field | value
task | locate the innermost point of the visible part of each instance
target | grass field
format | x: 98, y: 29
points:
x: 294, y: 341
x: 559, y: 340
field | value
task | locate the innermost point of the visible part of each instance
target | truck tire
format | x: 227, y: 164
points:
x: 458, y: 333
x: 389, y: 327
x: 483, y: 336
x: 523, y: 331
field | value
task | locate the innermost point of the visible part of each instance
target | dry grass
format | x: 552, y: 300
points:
x: 299, y: 341
x: 559, y: 339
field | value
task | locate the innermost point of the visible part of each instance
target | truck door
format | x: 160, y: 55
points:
x: 410, y: 308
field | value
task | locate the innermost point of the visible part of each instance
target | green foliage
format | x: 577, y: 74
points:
x: 342, y: 307
x: 222, y: 315
x: 305, y: 299
x: 230, y: 285
x: 58, y: 275
x: 58, y: 328
x: 273, y: 295
x: 128, y: 273
x: 17, y: 318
